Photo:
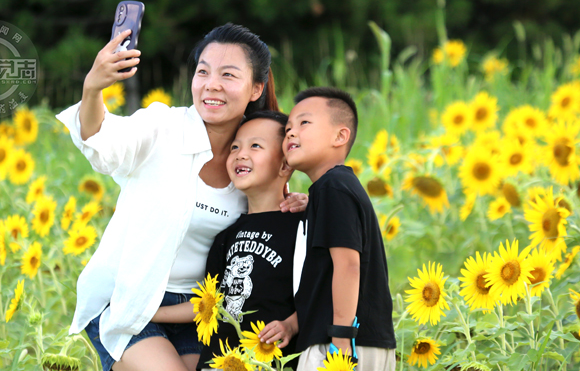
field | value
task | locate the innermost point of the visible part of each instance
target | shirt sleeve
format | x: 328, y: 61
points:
x: 122, y: 143
x: 337, y: 221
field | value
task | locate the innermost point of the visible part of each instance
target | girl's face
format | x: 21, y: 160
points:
x: 222, y: 85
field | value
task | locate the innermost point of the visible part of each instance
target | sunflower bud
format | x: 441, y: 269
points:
x: 60, y: 362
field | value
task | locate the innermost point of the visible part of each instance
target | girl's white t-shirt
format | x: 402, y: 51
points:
x: 215, y: 210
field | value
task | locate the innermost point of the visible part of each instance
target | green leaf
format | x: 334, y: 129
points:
x: 517, y: 361
x: 554, y: 355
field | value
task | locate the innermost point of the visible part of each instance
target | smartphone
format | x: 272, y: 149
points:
x: 128, y: 16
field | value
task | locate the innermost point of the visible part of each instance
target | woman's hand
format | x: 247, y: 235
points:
x: 295, y: 202
x: 280, y: 330
x: 105, y: 70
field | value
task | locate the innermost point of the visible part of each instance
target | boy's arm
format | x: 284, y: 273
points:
x: 280, y: 330
x: 179, y: 313
x: 345, y: 290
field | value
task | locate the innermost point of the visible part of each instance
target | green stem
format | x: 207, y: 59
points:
x: 558, y: 321
x: 58, y: 290
x: 229, y: 319
x: 529, y: 309
x: 510, y: 228
x: 501, y: 326
x: 41, y: 284
x: 465, y: 329
x: 261, y: 365
x: 94, y: 357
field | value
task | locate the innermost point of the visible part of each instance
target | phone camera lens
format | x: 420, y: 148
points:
x: 122, y: 8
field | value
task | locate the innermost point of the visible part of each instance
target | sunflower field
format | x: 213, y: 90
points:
x: 470, y: 161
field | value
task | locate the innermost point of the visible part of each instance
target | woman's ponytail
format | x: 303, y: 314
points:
x: 271, y: 100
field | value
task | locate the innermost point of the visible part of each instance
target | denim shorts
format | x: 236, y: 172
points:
x: 183, y: 336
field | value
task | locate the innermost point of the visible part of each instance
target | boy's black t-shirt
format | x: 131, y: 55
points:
x: 253, y: 258
x: 340, y: 214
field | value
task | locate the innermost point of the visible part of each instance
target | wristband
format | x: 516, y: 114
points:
x: 344, y: 332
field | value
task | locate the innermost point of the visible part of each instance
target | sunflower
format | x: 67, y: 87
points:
x: 474, y: 366
x: 455, y: 51
x: 532, y: 120
x: 548, y: 224
x: 560, y: 152
x: 509, y: 272
x: 43, y: 215
x: 493, y: 66
x: 16, y: 226
x: 69, y: 210
x: 231, y: 359
x: 80, y: 240
x: 483, y: 112
x: 2, y: 244
x: 31, y: 260
x: 511, y: 194
x: 35, y: 190
x: 206, y: 306
x: 378, y: 187
x: 93, y: 186
x: 6, y: 154
x: 26, y: 126
x: 21, y: 167
x: 156, y: 95
x: 114, y: 96
x: 438, y: 56
x: 450, y: 151
x: 498, y: 208
x: 430, y: 189
x: 565, y: 102
x: 568, y: 259
x: 480, y: 172
x: 424, y: 350
x: 456, y: 118
x: 377, y: 162
x: 15, y: 302
x: 532, y: 192
x: 467, y: 206
x: 391, y: 228
x: 264, y: 352
x: 542, y: 268
x: 515, y: 157
x: 337, y: 362
x: 490, y: 140
x: 356, y: 166
x: 427, y: 297
x: 87, y: 212
x: 14, y: 247
x: 6, y: 129
x: 476, y: 292
x: 575, y: 301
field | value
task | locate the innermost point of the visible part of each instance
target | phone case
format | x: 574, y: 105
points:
x: 128, y: 16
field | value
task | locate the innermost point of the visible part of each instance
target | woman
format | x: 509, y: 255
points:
x: 175, y: 195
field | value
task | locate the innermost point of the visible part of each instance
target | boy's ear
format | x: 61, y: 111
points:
x: 342, y: 136
x: 285, y: 169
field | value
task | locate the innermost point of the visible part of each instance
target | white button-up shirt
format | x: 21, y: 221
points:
x: 155, y: 156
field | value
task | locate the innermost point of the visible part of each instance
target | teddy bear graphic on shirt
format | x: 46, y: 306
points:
x: 237, y: 284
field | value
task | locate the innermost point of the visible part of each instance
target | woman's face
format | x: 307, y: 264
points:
x: 222, y: 84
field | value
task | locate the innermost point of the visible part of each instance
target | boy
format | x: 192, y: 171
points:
x: 253, y: 257
x: 340, y: 267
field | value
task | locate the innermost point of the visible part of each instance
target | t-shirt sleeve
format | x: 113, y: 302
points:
x: 338, y: 222
x: 215, y: 263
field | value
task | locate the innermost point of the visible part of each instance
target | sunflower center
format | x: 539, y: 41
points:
x: 481, y: 285
x: 510, y: 272
x: 267, y: 349
x: 427, y: 186
x: 2, y: 155
x: 481, y: 171
x: 21, y: 165
x: 377, y: 187
x: 92, y: 187
x: 206, y: 308
x: 578, y: 308
x: 44, y: 216
x: 531, y: 123
x: 511, y: 194
x: 431, y: 293
x: 14, y: 233
x: 563, y: 203
x: 422, y: 348
x: 232, y: 363
x: 550, y: 221
x: 27, y: 124
x: 390, y: 229
x: 81, y: 241
x: 481, y: 114
x: 565, y: 102
x: 516, y: 159
x: 501, y: 209
x: 561, y: 153
x: 458, y: 120
x: 34, y: 262
x: 538, y: 274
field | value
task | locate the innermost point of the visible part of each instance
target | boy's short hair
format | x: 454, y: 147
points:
x: 277, y: 116
x: 341, y: 104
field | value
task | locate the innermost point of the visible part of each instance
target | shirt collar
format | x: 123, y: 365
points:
x: 195, y: 138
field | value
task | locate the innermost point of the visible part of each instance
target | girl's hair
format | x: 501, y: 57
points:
x: 258, y: 55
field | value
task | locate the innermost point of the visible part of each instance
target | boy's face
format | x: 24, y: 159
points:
x: 309, y: 134
x: 255, y: 156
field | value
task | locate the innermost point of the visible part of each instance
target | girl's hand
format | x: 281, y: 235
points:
x: 280, y: 330
x: 295, y: 203
x: 107, y: 64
